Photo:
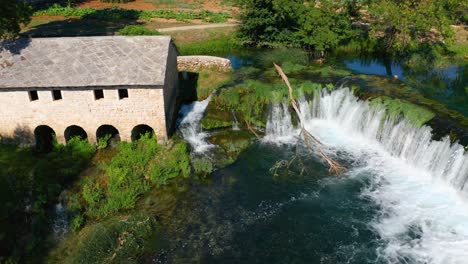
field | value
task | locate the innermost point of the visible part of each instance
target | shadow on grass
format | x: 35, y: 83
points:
x: 103, y: 22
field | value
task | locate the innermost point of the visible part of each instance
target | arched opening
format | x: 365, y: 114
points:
x: 105, y: 133
x: 140, y: 130
x: 75, y: 131
x: 45, y: 137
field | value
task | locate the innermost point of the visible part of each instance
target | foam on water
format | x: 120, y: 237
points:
x: 279, y: 127
x: 189, y: 124
x: 418, y: 183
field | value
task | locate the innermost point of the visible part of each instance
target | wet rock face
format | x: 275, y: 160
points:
x: 195, y: 63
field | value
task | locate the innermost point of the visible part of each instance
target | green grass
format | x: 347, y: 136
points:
x: 216, y: 46
x: 116, y: 14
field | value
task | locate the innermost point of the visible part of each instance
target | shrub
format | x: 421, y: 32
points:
x: 175, y: 162
x: 137, y: 30
x: 125, y: 178
x: 104, y: 141
x: 202, y: 165
x: 92, y: 192
x: 76, y: 223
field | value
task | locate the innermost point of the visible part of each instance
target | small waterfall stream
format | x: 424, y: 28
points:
x: 279, y: 127
x: 190, y: 127
x: 420, y: 184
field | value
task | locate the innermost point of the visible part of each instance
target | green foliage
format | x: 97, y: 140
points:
x: 295, y: 23
x: 13, y: 13
x: 116, y: 14
x: 175, y: 162
x: 396, y: 108
x: 131, y: 172
x: 93, y: 193
x: 137, y: 30
x: 104, y: 141
x: 202, y: 165
x: 76, y: 223
x: 115, y: 240
x: 399, y: 29
x: 125, y: 178
x: 250, y: 99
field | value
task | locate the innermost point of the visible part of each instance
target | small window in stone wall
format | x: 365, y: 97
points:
x: 98, y: 94
x: 33, y: 96
x: 57, y: 95
x: 123, y: 93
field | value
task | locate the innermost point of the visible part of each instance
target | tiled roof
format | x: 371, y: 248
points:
x: 84, y: 61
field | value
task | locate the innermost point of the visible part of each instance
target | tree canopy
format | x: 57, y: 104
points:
x: 396, y: 26
x: 13, y: 13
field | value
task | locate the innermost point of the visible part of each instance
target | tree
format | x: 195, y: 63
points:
x: 13, y: 13
x: 323, y: 25
x: 402, y: 25
x: 314, y: 25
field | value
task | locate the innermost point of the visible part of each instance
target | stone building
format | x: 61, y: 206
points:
x: 87, y: 86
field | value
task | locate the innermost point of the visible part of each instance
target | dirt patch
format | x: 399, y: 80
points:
x: 461, y: 34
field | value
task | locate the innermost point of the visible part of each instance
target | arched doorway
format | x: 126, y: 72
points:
x: 45, y: 137
x: 75, y: 131
x: 107, y: 132
x: 140, y: 130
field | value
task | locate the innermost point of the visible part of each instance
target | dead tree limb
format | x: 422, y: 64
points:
x: 311, y: 142
x: 249, y: 126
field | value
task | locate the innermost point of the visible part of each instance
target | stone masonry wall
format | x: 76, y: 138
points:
x: 195, y: 63
x: 20, y: 116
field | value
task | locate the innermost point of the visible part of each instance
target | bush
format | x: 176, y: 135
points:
x: 175, y: 162
x: 202, y: 166
x: 104, y: 141
x: 137, y: 30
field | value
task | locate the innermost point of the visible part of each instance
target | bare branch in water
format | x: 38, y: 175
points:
x: 249, y: 126
x: 311, y: 142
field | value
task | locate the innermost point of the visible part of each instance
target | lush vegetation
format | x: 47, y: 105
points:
x: 115, y: 240
x: 135, y: 168
x: 397, y: 108
x: 393, y: 27
x: 137, y: 30
x: 116, y: 14
x: 13, y: 13
x: 34, y: 181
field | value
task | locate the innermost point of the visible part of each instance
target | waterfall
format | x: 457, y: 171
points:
x: 398, y: 137
x: 235, y: 123
x: 190, y: 127
x: 419, y: 183
x: 279, y: 127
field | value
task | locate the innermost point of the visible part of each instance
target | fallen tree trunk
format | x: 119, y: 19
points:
x: 311, y: 142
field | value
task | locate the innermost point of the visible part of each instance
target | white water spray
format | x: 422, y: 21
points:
x: 420, y: 184
x: 190, y: 127
x: 279, y: 127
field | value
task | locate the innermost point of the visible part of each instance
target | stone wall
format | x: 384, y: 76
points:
x: 195, y: 63
x: 20, y: 116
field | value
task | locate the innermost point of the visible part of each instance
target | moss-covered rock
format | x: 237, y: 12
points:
x: 417, y: 115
